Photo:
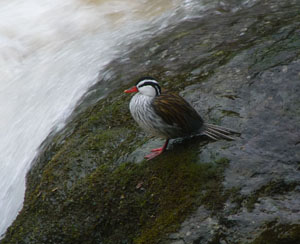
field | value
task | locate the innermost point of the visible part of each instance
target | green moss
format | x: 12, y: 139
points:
x: 270, y: 189
x: 284, y: 43
x: 141, y: 203
x: 182, y: 34
x: 229, y: 113
x: 279, y: 234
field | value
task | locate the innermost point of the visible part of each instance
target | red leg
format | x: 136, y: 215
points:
x: 157, y: 151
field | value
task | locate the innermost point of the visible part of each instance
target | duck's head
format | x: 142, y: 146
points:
x: 147, y: 86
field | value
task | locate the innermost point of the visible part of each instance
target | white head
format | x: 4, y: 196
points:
x: 146, y: 86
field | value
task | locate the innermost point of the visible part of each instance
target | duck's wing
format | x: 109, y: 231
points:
x: 176, y: 111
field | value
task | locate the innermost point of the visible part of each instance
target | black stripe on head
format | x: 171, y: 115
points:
x: 149, y: 81
x: 145, y: 78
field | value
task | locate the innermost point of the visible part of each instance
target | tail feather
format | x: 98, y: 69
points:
x: 221, y: 128
x: 216, y: 132
x: 208, y: 134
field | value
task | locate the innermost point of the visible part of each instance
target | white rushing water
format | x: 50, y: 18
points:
x: 51, y: 52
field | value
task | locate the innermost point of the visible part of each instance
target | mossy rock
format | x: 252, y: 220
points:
x: 84, y: 189
x: 86, y: 193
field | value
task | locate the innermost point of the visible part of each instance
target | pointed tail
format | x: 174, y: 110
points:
x: 216, y: 132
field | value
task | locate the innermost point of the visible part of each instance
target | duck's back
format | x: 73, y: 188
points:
x: 177, y: 113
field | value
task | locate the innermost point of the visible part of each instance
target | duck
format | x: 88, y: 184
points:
x: 168, y: 115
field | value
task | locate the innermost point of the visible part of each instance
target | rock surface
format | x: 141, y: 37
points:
x: 239, y: 68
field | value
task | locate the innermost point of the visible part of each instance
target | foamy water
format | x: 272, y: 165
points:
x: 51, y: 52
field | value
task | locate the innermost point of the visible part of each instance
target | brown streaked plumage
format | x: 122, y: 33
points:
x: 173, y: 109
x: 168, y: 115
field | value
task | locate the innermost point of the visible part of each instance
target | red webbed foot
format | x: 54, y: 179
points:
x: 153, y: 154
x: 157, y: 151
x: 160, y: 149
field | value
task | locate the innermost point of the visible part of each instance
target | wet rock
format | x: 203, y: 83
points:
x: 239, y: 68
